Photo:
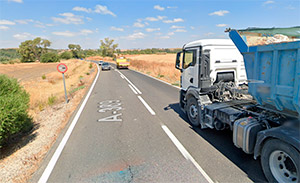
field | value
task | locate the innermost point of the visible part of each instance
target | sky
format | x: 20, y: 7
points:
x: 135, y: 24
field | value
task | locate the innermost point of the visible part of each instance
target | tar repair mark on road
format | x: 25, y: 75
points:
x: 110, y: 105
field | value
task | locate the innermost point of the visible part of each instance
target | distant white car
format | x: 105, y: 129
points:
x: 105, y: 66
x: 101, y: 62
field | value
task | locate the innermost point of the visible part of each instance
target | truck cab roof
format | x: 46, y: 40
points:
x: 209, y: 42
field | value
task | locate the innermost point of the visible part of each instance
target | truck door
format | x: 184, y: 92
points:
x: 189, y: 75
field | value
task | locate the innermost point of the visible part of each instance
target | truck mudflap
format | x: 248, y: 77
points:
x: 288, y: 133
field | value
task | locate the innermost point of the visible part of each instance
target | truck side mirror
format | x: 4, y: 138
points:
x: 177, y: 65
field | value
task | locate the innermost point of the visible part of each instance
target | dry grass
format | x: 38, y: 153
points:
x: 159, y: 66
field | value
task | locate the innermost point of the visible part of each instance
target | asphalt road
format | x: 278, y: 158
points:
x: 132, y: 130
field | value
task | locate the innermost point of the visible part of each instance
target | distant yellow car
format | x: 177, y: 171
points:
x: 122, y: 63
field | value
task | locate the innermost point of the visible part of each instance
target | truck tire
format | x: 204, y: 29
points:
x: 280, y: 162
x: 192, y: 111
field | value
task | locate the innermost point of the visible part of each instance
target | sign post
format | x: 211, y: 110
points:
x: 62, y: 68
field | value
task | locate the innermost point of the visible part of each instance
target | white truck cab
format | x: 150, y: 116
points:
x: 208, y: 67
x: 217, y: 58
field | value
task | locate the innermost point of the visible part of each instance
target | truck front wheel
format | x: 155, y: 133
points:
x: 280, y: 162
x: 192, y: 111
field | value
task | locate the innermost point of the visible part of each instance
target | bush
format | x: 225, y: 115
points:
x: 66, y: 55
x: 14, y: 104
x: 49, y: 57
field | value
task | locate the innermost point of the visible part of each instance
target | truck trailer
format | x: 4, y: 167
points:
x: 252, y: 90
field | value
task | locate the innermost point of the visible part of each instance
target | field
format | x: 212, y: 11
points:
x: 161, y: 66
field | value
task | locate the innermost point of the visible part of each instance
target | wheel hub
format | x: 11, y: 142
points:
x: 283, y: 167
x: 193, y: 111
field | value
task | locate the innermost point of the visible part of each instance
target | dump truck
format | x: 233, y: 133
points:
x: 262, y: 108
x: 122, y: 63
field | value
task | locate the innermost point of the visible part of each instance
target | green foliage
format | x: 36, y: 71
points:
x: 8, y: 54
x: 49, y: 57
x: 76, y: 50
x: 51, y: 100
x: 31, y: 50
x: 14, y: 104
x: 91, y: 65
x: 76, y: 89
x: 43, y: 76
x: 66, y: 55
x: 107, y: 48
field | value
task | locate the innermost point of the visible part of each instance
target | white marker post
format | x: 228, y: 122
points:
x: 62, y: 68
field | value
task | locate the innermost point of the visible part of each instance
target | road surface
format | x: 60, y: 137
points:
x: 132, y: 130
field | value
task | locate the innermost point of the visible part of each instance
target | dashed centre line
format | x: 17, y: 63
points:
x: 146, y: 105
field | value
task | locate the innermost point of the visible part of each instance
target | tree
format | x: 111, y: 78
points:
x: 107, y: 48
x: 50, y: 57
x: 75, y: 49
x: 31, y: 50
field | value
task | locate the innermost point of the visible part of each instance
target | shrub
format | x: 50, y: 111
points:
x: 14, y: 104
x: 51, y: 100
x: 43, y: 76
x: 49, y: 57
x: 91, y: 65
x: 66, y: 55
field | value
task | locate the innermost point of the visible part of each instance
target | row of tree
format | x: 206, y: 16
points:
x: 33, y: 50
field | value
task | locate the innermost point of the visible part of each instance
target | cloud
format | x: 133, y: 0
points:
x: 116, y: 29
x: 16, y: 1
x: 177, y: 27
x: 157, y: 7
x: 209, y: 34
x: 6, y: 22
x: 290, y: 7
x: 103, y: 10
x: 180, y: 30
x: 171, y: 7
x: 164, y: 37
x: 4, y: 27
x: 23, y: 36
x: 268, y: 2
x: 72, y: 34
x: 151, y: 19
x: 222, y: 25
x: 134, y: 36
x: 68, y: 18
x: 78, y: 8
x: 219, y: 13
x: 152, y: 29
x: 98, y: 9
x: 138, y: 24
x: 192, y: 27
x: 26, y: 21
x: 170, y: 33
x: 175, y: 20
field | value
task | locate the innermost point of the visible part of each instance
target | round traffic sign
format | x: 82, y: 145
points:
x: 62, y: 68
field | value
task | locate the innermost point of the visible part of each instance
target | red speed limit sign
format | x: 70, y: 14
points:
x: 62, y: 68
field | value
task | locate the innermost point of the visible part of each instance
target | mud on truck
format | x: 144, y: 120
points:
x: 252, y: 90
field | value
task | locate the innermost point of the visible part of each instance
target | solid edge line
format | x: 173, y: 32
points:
x: 156, y: 79
x: 185, y: 153
x: 132, y: 89
x: 47, y: 172
x: 146, y: 105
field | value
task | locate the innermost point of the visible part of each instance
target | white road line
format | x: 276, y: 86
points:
x: 138, y: 91
x: 156, y: 79
x: 185, y: 153
x: 51, y: 164
x: 122, y: 76
x: 132, y: 89
x: 146, y: 105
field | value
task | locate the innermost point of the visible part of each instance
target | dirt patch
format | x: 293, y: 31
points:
x: 20, y: 160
